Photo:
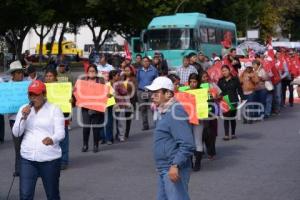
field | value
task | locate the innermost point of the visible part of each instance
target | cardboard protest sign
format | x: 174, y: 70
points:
x: 12, y: 96
x: 183, y: 88
x: 188, y: 101
x: 91, y: 95
x: 201, y: 96
x: 60, y: 94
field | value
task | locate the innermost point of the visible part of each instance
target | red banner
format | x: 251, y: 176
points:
x: 188, y: 101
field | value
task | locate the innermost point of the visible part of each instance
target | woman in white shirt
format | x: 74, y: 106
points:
x: 42, y: 126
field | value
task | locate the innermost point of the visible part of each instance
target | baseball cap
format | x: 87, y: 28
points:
x: 161, y: 82
x: 217, y: 58
x: 37, y: 87
x: 248, y: 64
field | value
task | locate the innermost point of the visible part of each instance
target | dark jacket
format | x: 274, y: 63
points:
x: 198, y: 68
x: 232, y: 88
x: 162, y: 68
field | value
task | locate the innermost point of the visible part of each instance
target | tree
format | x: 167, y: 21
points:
x: 16, y: 19
x: 44, y: 22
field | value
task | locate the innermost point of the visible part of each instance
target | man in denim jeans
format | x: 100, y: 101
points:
x: 173, y: 142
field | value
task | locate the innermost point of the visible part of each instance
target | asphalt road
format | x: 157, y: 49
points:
x: 262, y: 164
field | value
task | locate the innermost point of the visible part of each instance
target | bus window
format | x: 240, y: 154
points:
x: 219, y: 36
x: 233, y: 37
x: 195, y: 42
x: 168, y: 39
x: 212, y: 35
x: 158, y: 39
x: 232, y: 34
x: 179, y: 38
x: 204, y: 36
x: 137, y: 46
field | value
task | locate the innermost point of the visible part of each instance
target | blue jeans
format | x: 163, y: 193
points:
x: 260, y: 97
x: 168, y: 190
x: 106, y: 133
x: 269, y: 99
x: 277, y: 96
x: 248, y: 113
x: 64, y: 145
x: 48, y: 171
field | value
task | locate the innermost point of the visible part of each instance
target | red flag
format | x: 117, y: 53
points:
x: 224, y: 106
x: 188, y: 101
x: 214, y: 72
x: 126, y: 49
x: 86, y: 64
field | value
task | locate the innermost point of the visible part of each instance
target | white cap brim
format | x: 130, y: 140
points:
x: 153, y: 87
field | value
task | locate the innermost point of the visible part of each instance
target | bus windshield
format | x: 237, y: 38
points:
x: 165, y: 39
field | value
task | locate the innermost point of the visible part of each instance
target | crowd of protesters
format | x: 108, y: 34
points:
x: 262, y: 80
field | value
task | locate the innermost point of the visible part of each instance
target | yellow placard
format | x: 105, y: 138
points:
x: 110, y: 101
x: 201, y: 96
x: 60, y: 94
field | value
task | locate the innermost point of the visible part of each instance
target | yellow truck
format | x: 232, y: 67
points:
x: 68, y: 48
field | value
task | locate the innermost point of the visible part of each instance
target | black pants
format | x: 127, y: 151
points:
x: 231, y: 121
x: 2, y: 128
x: 92, y: 120
x: 209, y: 135
x: 287, y: 84
x: 17, y: 145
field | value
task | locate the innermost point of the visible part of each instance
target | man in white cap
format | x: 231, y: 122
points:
x: 17, y: 74
x: 173, y: 142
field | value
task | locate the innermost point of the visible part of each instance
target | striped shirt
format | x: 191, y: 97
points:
x: 184, y: 73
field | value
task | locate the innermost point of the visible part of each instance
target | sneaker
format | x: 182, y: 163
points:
x: 211, y: 157
x: 109, y: 143
x: 121, y: 139
x: 233, y: 137
x: 226, y: 138
x: 145, y: 128
x: 84, y: 149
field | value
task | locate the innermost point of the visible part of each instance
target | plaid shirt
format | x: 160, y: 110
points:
x: 184, y: 73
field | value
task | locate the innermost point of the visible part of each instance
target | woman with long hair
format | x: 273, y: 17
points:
x: 210, y: 130
x: 92, y: 119
x: 194, y: 83
x: 231, y: 86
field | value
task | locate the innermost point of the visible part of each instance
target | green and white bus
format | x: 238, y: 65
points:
x: 178, y: 35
